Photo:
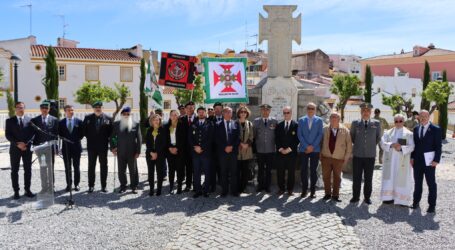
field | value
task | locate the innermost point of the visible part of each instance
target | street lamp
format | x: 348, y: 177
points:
x: 15, y: 59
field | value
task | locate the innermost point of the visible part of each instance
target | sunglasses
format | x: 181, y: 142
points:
x: 400, y: 121
x: 243, y: 112
x: 286, y: 113
x: 310, y: 108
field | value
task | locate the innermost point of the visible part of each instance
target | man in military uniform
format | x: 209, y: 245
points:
x: 365, y: 134
x: 97, y: 130
x: 201, y: 142
x: 384, y: 127
x: 264, y: 137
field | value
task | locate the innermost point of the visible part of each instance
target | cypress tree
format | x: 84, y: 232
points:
x: 368, y: 84
x: 443, y: 111
x: 425, y: 104
x: 143, y: 99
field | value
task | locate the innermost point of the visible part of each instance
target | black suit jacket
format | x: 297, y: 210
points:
x: 431, y: 141
x: 157, y: 145
x: 287, y: 139
x: 15, y: 134
x: 51, y: 127
x: 201, y: 135
x: 97, y: 140
x: 180, y: 137
x: 75, y: 136
x: 222, y: 141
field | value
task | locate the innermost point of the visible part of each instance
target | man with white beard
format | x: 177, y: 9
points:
x: 126, y: 144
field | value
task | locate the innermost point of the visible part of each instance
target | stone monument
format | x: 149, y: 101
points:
x: 279, y: 88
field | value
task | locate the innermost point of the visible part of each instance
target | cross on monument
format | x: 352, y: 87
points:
x: 280, y: 28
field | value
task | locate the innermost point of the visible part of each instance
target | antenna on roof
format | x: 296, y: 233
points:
x: 29, y: 6
x: 64, y: 25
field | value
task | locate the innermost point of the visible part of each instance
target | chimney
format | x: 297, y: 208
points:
x: 402, y: 51
x: 62, y: 42
x: 136, y: 51
x: 431, y: 46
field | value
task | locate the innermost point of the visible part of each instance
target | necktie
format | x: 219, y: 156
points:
x: 21, y: 124
x: 189, y: 120
x: 287, y: 127
x: 421, y: 132
x: 98, y: 123
x: 70, y: 125
x: 366, y: 124
x: 200, y: 123
x: 265, y: 122
x: 310, y: 123
x: 228, y: 129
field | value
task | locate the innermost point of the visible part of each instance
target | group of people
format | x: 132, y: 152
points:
x: 221, y: 144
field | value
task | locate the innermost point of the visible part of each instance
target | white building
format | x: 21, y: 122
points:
x: 75, y: 66
x: 349, y: 64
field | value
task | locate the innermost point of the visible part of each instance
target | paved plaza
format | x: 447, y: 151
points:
x: 252, y: 221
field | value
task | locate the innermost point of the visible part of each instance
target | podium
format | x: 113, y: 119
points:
x: 45, y: 198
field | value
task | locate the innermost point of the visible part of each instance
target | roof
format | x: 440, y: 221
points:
x: 86, y: 54
x: 305, y: 52
x: 431, y: 52
x: 168, y: 90
x: 451, y: 105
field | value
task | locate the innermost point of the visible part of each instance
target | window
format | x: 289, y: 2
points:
x: 129, y: 102
x: 61, y: 102
x: 435, y: 75
x: 167, y: 104
x: 126, y: 74
x: 62, y: 72
x: 414, y: 92
x: 342, y: 59
x: 92, y: 73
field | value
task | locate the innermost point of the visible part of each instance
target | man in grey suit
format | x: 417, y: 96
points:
x: 264, y: 137
x: 126, y: 144
x: 365, y: 134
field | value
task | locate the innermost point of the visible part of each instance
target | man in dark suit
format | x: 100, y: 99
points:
x: 286, y: 141
x: 428, y: 141
x: 97, y: 130
x: 70, y: 128
x: 200, y: 138
x: 187, y: 121
x: 18, y: 133
x: 216, y: 118
x: 45, y: 130
x: 126, y: 145
x: 228, y: 140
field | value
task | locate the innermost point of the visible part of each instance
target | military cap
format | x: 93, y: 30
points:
x: 97, y: 104
x: 201, y: 107
x: 217, y: 104
x: 189, y: 103
x: 45, y: 104
x: 265, y: 106
x: 181, y: 106
x: 366, y: 105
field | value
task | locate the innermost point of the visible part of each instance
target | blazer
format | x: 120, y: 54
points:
x: 264, y: 136
x: 75, y: 136
x: 229, y: 138
x: 15, y: 134
x: 157, y: 145
x: 97, y: 139
x: 309, y: 136
x: 51, y: 127
x: 431, y: 141
x: 180, y: 137
x: 186, y: 128
x: 128, y: 143
x: 343, y: 144
x: 287, y: 139
x: 365, y: 139
x: 246, y: 136
x: 201, y: 135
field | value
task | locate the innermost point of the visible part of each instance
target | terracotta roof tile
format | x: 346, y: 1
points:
x: 168, y: 90
x: 85, y: 54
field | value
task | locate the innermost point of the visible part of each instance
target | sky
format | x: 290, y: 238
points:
x: 361, y: 27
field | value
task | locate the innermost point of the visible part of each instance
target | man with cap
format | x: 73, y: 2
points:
x: 365, y: 135
x: 182, y: 111
x: 216, y: 118
x: 46, y: 129
x: 384, y: 127
x: 264, y: 137
x: 412, y: 121
x: 126, y: 141
x: 187, y: 121
x: 97, y: 130
x: 19, y: 133
x: 200, y: 139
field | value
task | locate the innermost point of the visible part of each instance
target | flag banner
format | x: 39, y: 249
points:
x: 148, y: 79
x: 225, y: 80
x: 177, y: 70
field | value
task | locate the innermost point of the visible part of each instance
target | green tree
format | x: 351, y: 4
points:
x: 118, y: 95
x: 143, y: 99
x: 345, y: 86
x: 11, y: 103
x: 443, y: 110
x: 425, y: 103
x: 197, y: 95
x: 398, y: 104
x: 50, y: 80
x: 368, y: 83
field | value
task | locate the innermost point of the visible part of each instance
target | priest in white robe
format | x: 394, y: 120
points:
x: 397, y: 175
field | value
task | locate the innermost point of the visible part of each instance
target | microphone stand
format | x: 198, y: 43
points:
x: 70, y: 202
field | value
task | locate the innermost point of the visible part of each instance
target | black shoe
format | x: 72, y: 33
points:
x: 16, y: 196
x: 187, y: 189
x: 223, y: 194
x: 196, y: 195
x: 336, y: 198
x: 387, y: 202
x: 68, y: 188
x: 304, y: 194
x: 29, y: 194
x: 431, y: 209
x: 258, y: 190
x: 151, y: 193
x: 279, y: 193
x: 368, y: 201
x: 290, y: 193
x: 77, y: 188
x: 327, y: 197
x: 91, y: 189
x: 354, y: 200
x: 104, y: 190
x: 158, y: 193
x: 313, y: 195
x: 415, y: 205
x: 134, y: 191
x: 122, y: 190
x: 206, y: 195
x: 179, y: 191
x: 213, y: 189
x: 267, y: 190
